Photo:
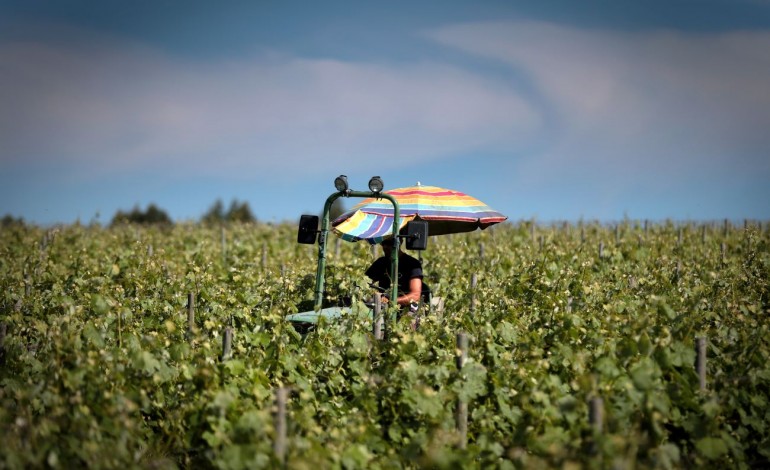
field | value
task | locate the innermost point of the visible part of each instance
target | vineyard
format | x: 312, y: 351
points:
x: 582, y: 350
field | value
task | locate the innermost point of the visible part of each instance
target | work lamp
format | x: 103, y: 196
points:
x: 341, y: 183
x: 375, y: 184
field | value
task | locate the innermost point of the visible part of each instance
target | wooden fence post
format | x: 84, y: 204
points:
x: 264, y: 256
x: 279, y: 444
x: 700, y: 362
x: 224, y: 244
x: 596, y: 414
x: 473, y: 292
x: 120, y: 328
x: 3, y: 331
x: 601, y: 250
x: 190, y: 313
x: 461, y: 412
x: 27, y: 283
x: 379, y: 321
x: 227, y: 342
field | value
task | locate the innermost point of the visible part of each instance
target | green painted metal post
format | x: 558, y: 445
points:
x: 319, y: 277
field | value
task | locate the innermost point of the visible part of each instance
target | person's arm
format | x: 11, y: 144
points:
x: 415, y: 291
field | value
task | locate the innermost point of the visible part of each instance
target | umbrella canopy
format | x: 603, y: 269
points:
x: 446, y: 211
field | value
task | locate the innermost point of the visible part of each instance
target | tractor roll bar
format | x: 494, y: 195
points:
x: 322, y: 238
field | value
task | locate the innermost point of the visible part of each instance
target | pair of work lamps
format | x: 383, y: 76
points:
x: 375, y: 184
x: 416, y: 231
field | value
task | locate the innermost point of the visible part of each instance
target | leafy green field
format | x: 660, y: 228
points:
x: 99, y: 368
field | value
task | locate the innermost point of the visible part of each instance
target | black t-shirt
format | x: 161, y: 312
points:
x: 408, y: 269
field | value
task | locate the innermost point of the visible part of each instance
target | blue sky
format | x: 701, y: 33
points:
x: 555, y: 110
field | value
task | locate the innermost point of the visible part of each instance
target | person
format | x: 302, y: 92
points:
x: 411, y: 288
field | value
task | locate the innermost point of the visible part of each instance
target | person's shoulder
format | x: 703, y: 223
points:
x: 380, y: 262
x: 409, y: 260
x: 376, y: 269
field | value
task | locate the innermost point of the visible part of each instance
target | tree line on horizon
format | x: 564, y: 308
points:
x: 237, y: 212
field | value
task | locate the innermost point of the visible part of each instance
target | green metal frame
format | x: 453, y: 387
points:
x: 323, y: 236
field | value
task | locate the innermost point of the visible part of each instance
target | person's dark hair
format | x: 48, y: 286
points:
x: 387, y: 242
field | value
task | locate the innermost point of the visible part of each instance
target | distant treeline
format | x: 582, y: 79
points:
x: 238, y: 212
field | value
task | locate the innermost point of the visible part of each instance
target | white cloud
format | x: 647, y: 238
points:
x: 662, y: 105
x: 612, y: 115
x: 119, y: 106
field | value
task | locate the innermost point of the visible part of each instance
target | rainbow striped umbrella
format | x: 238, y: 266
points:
x: 445, y: 210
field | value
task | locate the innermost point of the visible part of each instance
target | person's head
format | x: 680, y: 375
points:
x: 387, y: 246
